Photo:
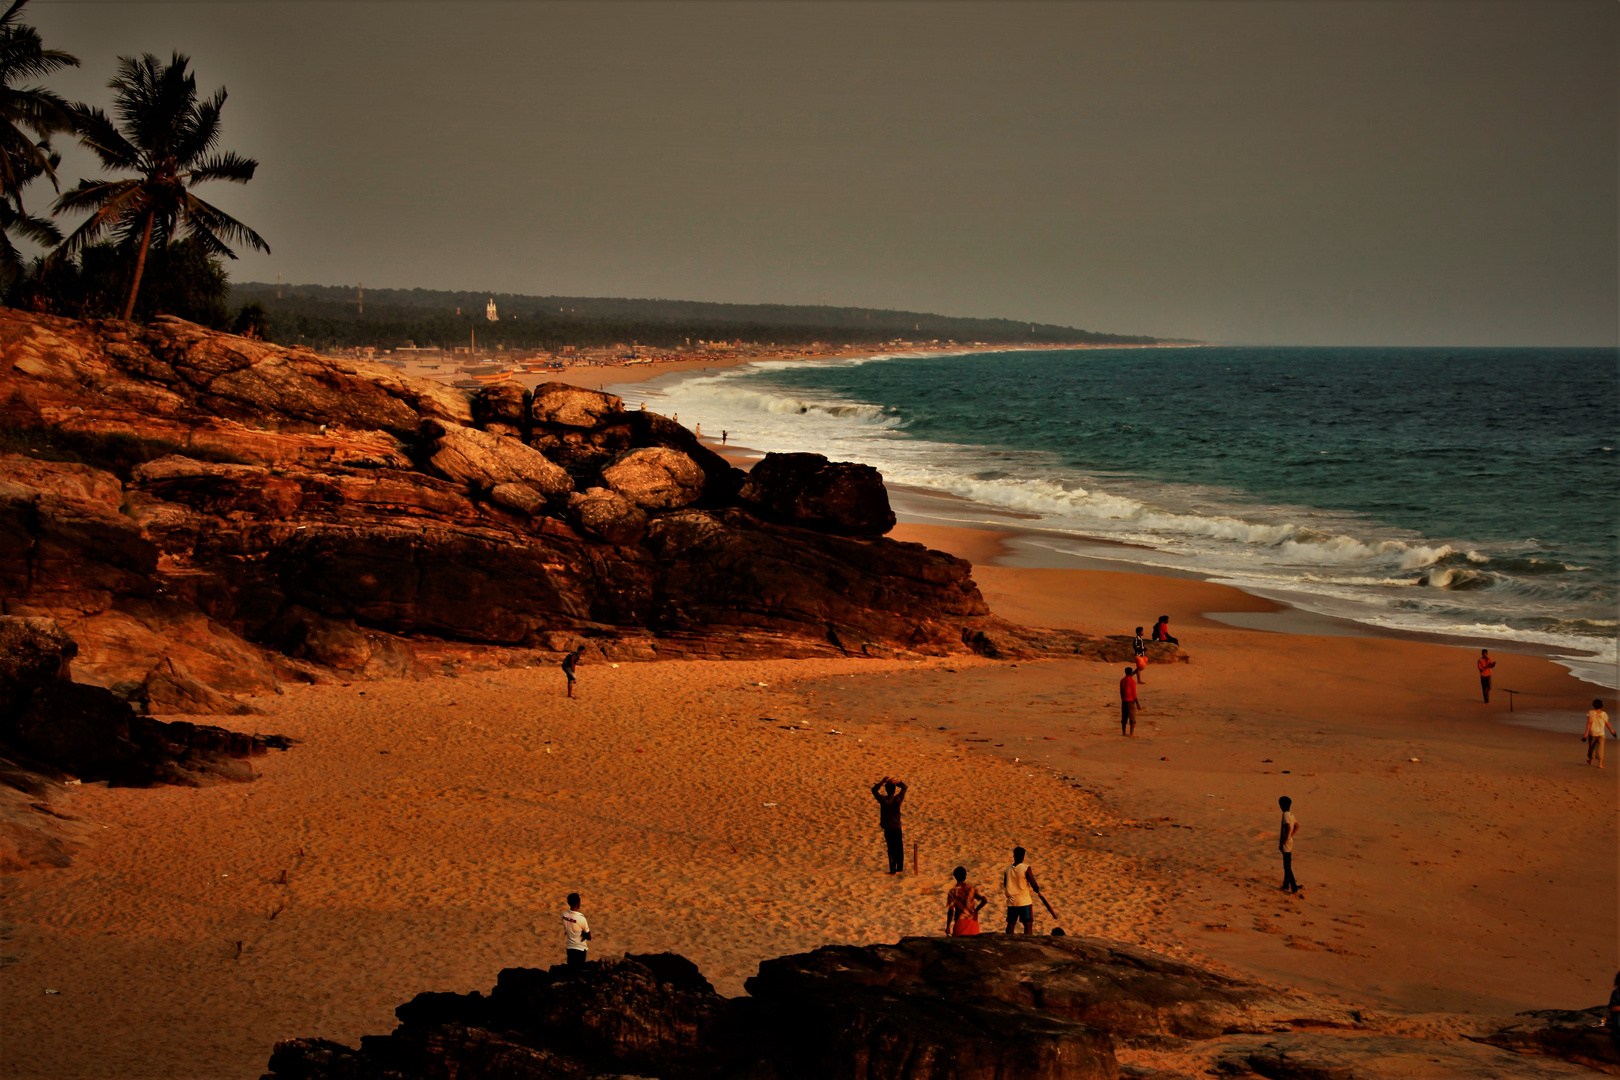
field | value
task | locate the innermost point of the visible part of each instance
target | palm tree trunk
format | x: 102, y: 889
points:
x: 140, y: 267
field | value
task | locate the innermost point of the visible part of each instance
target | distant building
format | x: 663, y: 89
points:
x: 489, y: 311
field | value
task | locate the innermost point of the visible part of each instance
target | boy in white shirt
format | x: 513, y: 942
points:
x: 576, y: 932
x: 1597, y: 727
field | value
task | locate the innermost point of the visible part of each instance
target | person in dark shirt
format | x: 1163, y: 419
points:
x: 570, y: 662
x: 890, y: 792
x: 1139, y: 647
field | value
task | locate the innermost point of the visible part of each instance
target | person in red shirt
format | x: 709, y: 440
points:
x: 1161, y: 630
x: 1128, y: 703
x: 1485, y: 666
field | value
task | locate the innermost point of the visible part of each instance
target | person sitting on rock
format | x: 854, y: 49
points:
x: 962, y: 906
x: 1161, y: 630
x: 569, y: 663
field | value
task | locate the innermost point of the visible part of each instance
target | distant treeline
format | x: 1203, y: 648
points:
x: 326, y: 316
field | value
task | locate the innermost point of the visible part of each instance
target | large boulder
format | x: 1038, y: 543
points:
x: 575, y: 407
x: 721, y: 479
x: 655, y: 478
x: 607, y: 515
x: 502, y: 408
x: 831, y: 496
x: 482, y: 460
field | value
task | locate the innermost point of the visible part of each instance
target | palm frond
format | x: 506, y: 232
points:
x: 203, y: 132
x: 13, y: 220
x: 99, y: 135
x: 220, y: 226
x: 226, y: 166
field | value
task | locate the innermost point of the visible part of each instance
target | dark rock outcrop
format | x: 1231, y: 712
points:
x: 91, y: 733
x: 995, y: 1007
x: 809, y: 490
x: 1576, y: 1035
x: 52, y: 728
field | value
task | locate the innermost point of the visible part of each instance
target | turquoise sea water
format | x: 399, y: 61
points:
x: 1454, y: 490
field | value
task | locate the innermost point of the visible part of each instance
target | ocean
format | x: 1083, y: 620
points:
x: 1454, y: 491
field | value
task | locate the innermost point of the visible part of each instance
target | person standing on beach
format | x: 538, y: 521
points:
x: 1597, y: 724
x: 1285, y: 843
x: 723, y: 434
x: 962, y: 906
x: 893, y: 793
x: 1020, y: 887
x: 569, y: 663
x: 1128, y: 703
x: 1161, y: 630
x: 1139, y: 647
x: 1485, y: 664
x: 576, y: 932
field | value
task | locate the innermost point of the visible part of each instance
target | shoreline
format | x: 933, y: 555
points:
x: 1297, y: 611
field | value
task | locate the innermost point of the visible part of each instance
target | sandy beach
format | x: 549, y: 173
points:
x: 428, y: 830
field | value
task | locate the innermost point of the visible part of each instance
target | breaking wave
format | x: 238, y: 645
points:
x: 1341, y: 563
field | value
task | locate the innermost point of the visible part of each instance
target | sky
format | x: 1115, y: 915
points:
x: 1271, y: 173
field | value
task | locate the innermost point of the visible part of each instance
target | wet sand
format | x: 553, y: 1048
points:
x: 429, y: 830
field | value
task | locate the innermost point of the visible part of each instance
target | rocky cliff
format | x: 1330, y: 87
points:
x: 208, y: 515
x: 994, y: 1007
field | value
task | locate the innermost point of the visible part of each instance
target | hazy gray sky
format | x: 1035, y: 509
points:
x: 1332, y: 173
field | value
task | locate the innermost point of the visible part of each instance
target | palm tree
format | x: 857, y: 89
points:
x: 29, y: 116
x: 166, y: 136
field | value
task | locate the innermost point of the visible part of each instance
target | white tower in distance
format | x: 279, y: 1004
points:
x: 489, y: 310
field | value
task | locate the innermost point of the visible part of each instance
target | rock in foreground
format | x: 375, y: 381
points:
x: 994, y: 1007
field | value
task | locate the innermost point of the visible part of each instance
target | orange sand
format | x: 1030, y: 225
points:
x: 1481, y: 877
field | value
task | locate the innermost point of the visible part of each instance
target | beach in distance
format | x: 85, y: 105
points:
x: 429, y: 830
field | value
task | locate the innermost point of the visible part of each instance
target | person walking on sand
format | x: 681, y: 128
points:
x: 723, y: 434
x: 1597, y: 724
x: 1285, y: 843
x: 1020, y: 887
x: 1485, y: 664
x: 1128, y: 703
x: 1161, y: 631
x: 962, y: 906
x: 1139, y: 647
x: 893, y: 793
x: 569, y: 663
x: 576, y: 932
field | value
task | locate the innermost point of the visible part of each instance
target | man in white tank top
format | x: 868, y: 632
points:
x: 1018, y: 883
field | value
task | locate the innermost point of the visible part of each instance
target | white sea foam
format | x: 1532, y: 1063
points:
x: 1336, y: 562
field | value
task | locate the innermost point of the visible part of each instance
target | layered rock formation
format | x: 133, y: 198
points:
x: 210, y: 516
x: 52, y: 728
x: 995, y: 1007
